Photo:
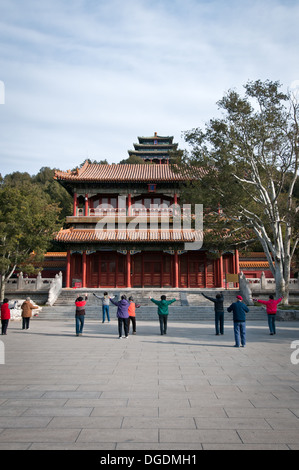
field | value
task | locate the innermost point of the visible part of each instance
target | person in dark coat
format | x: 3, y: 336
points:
x: 219, y: 311
x: 239, y: 310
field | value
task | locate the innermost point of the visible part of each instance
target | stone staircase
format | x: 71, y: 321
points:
x: 190, y: 305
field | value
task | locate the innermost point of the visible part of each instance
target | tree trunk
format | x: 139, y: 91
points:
x: 281, y: 287
x: 3, y: 280
x: 2, y: 288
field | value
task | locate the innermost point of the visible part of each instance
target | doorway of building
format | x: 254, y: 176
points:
x: 147, y: 269
x: 107, y: 270
x: 152, y: 273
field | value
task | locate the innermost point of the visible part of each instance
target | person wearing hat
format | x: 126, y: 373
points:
x: 239, y: 310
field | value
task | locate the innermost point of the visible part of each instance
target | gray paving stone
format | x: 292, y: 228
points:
x: 269, y: 436
x: 94, y: 422
x: 231, y: 423
x: 38, y: 435
x: 236, y: 412
x: 158, y: 423
x: 57, y: 411
x: 70, y: 446
x: 25, y: 421
x: 118, y: 435
x: 125, y: 411
x: 200, y: 436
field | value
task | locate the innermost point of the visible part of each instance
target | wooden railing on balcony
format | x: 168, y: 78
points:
x: 102, y: 212
x: 134, y: 212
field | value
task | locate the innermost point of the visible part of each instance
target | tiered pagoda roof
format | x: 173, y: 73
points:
x: 155, y: 148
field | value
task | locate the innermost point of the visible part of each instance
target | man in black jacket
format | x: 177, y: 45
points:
x: 219, y: 311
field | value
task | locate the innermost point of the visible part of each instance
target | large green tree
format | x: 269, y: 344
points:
x: 45, y: 180
x: 28, y: 219
x: 57, y: 193
x: 249, y: 158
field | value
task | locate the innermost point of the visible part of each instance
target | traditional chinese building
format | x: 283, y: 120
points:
x: 124, y: 230
x: 155, y: 149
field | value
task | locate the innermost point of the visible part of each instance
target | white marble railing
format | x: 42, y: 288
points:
x: 55, y: 289
x: 38, y: 284
x: 28, y: 283
x: 264, y: 283
x: 248, y: 286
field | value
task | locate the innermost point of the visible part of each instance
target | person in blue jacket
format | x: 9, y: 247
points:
x: 239, y: 310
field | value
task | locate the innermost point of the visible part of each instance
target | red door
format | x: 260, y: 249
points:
x: 152, y: 273
x: 210, y: 273
x: 121, y: 264
x: 94, y: 270
x: 183, y: 270
x: 197, y: 272
x: 107, y: 270
x: 136, y: 263
x: 147, y: 270
x: 167, y: 271
x: 76, y: 268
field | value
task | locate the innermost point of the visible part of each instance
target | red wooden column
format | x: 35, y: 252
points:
x: 237, y: 266
x: 128, y: 269
x: 176, y: 269
x: 68, y: 269
x: 86, y: 205
x: 75, y: 204
x: 221, y: 271
x: 129, y: 204
x: 206, y: 271
x: 84, y: 269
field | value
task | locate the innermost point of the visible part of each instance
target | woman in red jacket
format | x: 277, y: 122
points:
x: 5, y: 316
x: 271, y: 308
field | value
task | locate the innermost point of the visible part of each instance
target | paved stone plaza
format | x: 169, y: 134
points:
x: 188, y: 389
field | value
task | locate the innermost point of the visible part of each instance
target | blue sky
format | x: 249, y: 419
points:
x: 84, y: 78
